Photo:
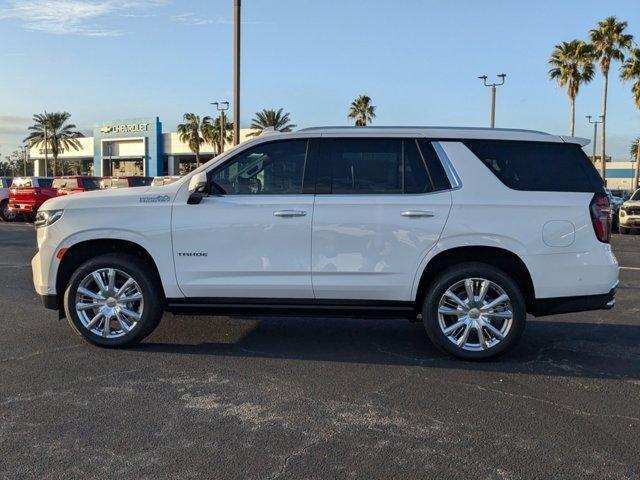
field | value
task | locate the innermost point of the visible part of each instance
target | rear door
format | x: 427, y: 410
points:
x: 381, y: 205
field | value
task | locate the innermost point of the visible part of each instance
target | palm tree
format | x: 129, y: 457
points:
x: 271, y: 118
x: 609, y: 43
x: 630, y: 72
x: 191, y: 132
x: 572, y: 65
x: 362, y: 110
x: 211, y: 134
x: 59, y: 134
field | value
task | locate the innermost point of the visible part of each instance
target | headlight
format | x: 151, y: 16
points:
x: 44, y: 218
x: 623, y: 212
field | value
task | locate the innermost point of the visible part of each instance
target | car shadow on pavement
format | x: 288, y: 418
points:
x: 548, y: 347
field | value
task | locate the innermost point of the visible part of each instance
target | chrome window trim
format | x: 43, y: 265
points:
x: 452, y: 175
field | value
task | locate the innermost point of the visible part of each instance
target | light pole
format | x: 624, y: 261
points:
x: 236, y: 72
x: 46, y: 150
x: 493, y: 86
x: 595, y: 133
x: 221, y: 107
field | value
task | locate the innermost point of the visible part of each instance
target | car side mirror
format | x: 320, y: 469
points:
x: 197, y: 188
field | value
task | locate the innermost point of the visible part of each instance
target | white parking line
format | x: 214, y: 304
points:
x: 629, y: 268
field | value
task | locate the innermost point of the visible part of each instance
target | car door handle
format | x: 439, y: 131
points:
x: 289, y: 213
x: 417, y: 213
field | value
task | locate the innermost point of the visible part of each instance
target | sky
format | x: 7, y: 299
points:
x: 417, y: 59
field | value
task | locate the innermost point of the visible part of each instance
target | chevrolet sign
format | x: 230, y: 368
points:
x: 132, y: 127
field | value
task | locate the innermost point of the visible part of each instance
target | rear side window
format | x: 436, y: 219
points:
x: 64, y: 183
x: 45, y: 182
x: 378, y: 166
x: 538, y: 166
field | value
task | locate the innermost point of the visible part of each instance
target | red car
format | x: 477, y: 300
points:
x: 124, y: 182
x: 28, y: 193
x: 75, y: 184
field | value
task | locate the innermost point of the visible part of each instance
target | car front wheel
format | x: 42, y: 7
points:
x: 474, y: 311
x: 112, y: 300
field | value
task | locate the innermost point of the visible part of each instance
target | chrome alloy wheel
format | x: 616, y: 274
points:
x: 109, y: 302
x: 475, y: 314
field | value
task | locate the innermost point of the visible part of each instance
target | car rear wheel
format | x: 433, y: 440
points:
x: 474, y: 311
x: 112, y: 300
x: 6, y: 214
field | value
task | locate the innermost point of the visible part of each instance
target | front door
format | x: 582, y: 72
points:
x: 382, y: 204
x: 253, y: 238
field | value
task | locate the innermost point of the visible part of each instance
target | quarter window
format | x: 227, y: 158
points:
x: 275, y: 168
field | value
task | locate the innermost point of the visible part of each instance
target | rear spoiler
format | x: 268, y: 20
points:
x: 583, y: 142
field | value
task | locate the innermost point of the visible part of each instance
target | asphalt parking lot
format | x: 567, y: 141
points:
x: 309, y: 398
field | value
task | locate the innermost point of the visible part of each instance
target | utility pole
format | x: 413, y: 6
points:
x: 222, y: 107
x: 46, y: 151
x: 493, y: 86
x: 236, y: 72
x: 595, y: 133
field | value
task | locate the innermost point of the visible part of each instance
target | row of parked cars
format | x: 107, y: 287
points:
x: 24, y: 195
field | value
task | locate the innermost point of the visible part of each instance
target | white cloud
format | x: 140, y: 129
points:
x: 74, y: 17
x: 190, y: 18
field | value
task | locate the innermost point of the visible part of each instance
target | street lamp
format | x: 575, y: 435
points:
x: 493, y: 86
x: 595, y: 133
x: 236, y: 72
x: 221, y: 107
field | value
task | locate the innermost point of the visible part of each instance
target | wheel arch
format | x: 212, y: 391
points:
x: 501, y: 258
x: 82, y: 251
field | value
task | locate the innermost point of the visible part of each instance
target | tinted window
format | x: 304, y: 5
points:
x: 45, y: 182
x: 635, y: 196
x: 275, y: 168
x: 90, y: 183
x: 140, y: 182
x: 434, y: 165
x: 378, y: 166
x: 538, y: 166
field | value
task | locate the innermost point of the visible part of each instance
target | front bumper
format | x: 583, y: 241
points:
x: 629, y: 221
x: 555, y: 306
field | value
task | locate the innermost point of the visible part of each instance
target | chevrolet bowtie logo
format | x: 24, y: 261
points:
x: 106, y: 129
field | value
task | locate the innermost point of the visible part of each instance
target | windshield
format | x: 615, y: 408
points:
x: 635, y: 196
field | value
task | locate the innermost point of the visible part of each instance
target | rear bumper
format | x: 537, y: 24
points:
x: 555, y: 306
x: 22, y: 207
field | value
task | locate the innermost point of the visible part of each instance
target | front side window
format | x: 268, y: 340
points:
x: 141, y: 182
x: 275, y: 168
x: 45, y: 182
x: 90, y: 184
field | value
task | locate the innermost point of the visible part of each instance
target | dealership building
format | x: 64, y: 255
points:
x: 136, y: 146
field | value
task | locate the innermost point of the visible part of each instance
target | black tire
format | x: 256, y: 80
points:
x: 5, y: 215
x: 139, y: 271
x: 30, y: 217
x: 623, y: 230
x: 455, y: 274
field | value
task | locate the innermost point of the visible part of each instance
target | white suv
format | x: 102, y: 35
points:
x: 466, y: 229
x: 629, y: 214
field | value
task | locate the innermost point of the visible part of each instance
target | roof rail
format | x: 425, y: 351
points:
x: 420, y: 127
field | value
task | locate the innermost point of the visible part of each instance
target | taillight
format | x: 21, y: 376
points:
x: 600, y: 210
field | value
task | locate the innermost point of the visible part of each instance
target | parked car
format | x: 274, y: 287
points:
x: 6, y: 214
x: 75, y: 184
x: 157, y: 181
x: 124, y: 182
x: 28, y: 193
x: 616, y: 203
x: 629, y: 216
x: 466, y: 230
